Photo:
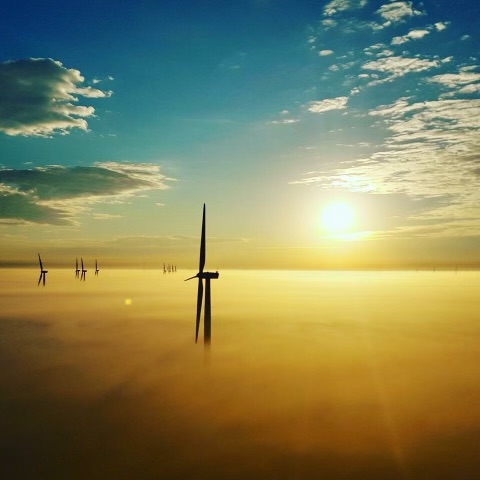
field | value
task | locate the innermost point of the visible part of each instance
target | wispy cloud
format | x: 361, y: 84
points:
x: 38, y: 97
x: 56, y: 195
x: 338, y: 103
x: 393, y: 67
x: 431, y: 156
x: 464, y: 82
x: 337, y: 6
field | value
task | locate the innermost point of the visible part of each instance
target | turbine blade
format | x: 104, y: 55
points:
x: 195, y: 276
x: 39, y: 279
x: 202, y: 244
x: 82, y: 262
x: 40, y: 261
x: 199, y: 307
x: 76, y: 263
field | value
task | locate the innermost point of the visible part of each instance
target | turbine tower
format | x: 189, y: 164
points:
x: 43, y: 273
x: 84, y: 272
x: 207, y: 276
x: 77, y: 270
x: 96, y: 268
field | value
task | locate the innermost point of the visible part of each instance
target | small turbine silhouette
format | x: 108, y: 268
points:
x: 77, y: 270
x: 84, y: 272
x: 43, y: 273
x: 207, y: 276
x: 96, y: 268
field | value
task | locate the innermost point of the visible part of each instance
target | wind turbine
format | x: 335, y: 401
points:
x: 84, y: 272
x: 77, y: 270
x: 43, y: 273
x: 207, y: 276
x: 96, y: 268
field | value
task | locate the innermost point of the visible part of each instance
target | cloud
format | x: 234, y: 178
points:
x: 397, y: 11
x: 324, y: 53
x: 336, y: 6
x: 464, y: 82
x: 105, y: 216
x: 431, y: 156
x: 411, y: 35
x: 395, y: 67
x: 56, y: 194
x: 19, y: 208
x: 441, y: 26
x: 285, y: 121
x: 38, y: 97
x: 338, y: 103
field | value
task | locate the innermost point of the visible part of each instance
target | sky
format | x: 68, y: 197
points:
x: 118, y: 121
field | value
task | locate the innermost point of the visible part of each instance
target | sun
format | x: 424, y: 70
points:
x: 337, y: 217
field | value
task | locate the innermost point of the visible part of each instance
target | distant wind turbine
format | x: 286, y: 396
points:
x: 84, y: 272
x: 77, y: 270
x: 96, y: 268
x: 43, y: 273
x: 201, y: 275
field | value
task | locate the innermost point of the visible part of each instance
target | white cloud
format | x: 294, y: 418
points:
x: 324, y: 53
x: 395, y: 67
x: 397, y: 11
x: 337, y: 6
x: 441, y: 26
x: 285, y: 121
x: 454, y: 80
x: 338, y: 103
x: 412, y: 35
x: 38, y: 96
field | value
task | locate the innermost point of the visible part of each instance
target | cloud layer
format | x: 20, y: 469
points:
x: 39, y: 96
x: 408, y: 92
x: 55, y: 194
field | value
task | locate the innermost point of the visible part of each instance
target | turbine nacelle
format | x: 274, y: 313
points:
x: 204, y: 275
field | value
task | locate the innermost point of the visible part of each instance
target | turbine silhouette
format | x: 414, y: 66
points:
x: 43, y: 273
x: 96, y: 268
x: 207, y: 276
x: 84, y: 272
x: 77, y: 270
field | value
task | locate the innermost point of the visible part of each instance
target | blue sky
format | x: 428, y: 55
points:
x: 118, y: 120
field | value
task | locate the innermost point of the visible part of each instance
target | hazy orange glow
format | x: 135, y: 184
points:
x: 296, y: 376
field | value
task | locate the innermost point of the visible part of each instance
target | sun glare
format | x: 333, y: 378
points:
x: 337, y: 217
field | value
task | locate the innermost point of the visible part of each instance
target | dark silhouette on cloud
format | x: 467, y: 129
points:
x: 77, y: 270
x: 83, y: 276
x: 96, y: 268
x: 38, y: 96
x: 207, y: 276
x: 43, y: 272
